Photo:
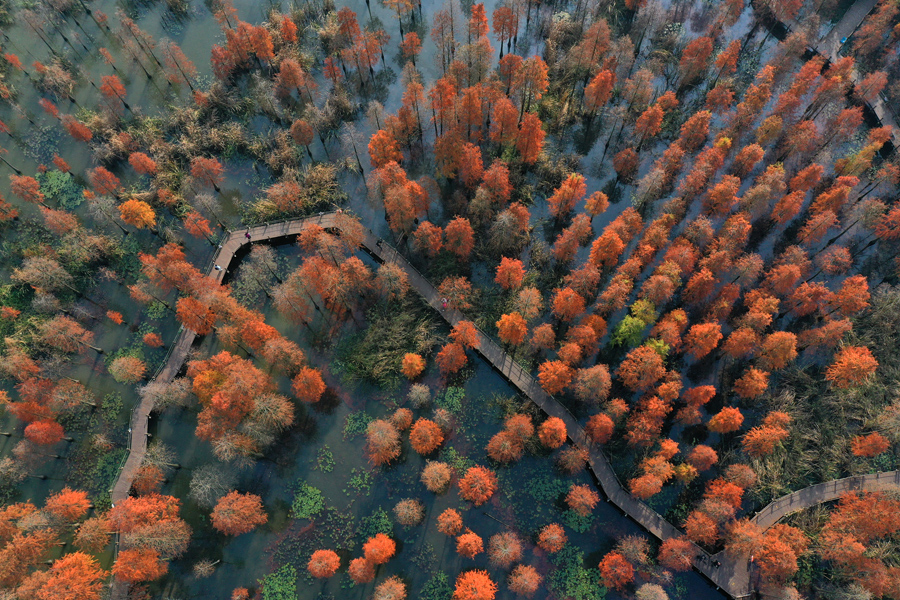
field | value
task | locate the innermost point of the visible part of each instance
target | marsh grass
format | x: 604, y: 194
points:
x: 826, y: 418
x: 375, y: 354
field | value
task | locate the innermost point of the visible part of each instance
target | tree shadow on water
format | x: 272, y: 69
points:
x: 327, y: 403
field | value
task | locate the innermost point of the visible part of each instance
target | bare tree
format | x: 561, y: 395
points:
x: 45, y: 303
x: 162, y: 394
x: 11, y: 475
x: 419, y: 395
x: 257, y: 274
x: 204, y: 568
x: 209, y: 483
x: 103, y: 209
x: 44, y: 273
x: 169, y: 537
x: 160, y: 456
x: 352, y: 138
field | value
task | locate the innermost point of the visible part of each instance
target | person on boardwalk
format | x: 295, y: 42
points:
x: 247, y: 235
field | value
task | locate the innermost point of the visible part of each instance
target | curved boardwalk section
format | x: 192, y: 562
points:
x: 724, y: 571
x: 825, y: 492
x: 225, y: 254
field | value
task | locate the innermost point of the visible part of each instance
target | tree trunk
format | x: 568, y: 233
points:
x: 180, y: 70
x: 94, y: 348
x: 6, y: 162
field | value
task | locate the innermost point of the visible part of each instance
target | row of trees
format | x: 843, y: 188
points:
x: 504, y: 549
x: 691, y: 282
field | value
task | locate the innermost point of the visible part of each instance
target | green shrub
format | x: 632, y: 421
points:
x: 570, y: 578
x: 280, y: 585
x: 644, y: 310
x: 61, y: 188
x: 451, y: 399
x: 377, y: 522
x: 308, y: 501
x: 629, y: 332
x: 631, y: 329
x: 659, y: 346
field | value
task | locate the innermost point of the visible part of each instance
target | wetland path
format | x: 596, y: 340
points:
x: 726, y: 572
x: 830, y: 46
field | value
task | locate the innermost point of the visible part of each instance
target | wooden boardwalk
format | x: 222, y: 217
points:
x: 726, y: 572
x: 830, y: 46
x: 734, y: 582
x: 138, y: 428
x: 825, y: 492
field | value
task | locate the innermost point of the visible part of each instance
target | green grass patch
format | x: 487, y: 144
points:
x: 325, y: 460
x: 576, y: 522
x: 61, y: 188
x: 451, y: 399
x: 437, y: 588
x: 458, y: 461
x: 360, y: 482
x: 375, y: 355
x: 533, y: 493
x: 102, y: 476
x: 111, y: 406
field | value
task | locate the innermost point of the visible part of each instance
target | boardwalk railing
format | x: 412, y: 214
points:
x: 728, y: 573
x: 824, y: 492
